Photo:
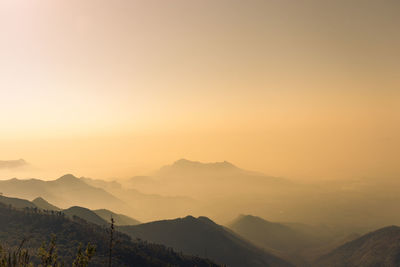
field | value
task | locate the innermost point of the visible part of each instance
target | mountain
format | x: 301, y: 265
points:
x: 12, y: 164
x: 119, y: 219
x: 184, y: 165
x: 201, y: 236
x: 17, y: 202
x: 69, y: 190
x: 86, y: 214
x: 44, y: 205
x: 63, y: 192
x: 301, y: 243
x: 268, y: 234
x: 380, y: 248
x: 36, y: 228
x: 298, y: 242
x: 200, y: 180
x: 221, y: 189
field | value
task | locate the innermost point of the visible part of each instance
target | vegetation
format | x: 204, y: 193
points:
x: 47, y: 255
x: 32, y: 227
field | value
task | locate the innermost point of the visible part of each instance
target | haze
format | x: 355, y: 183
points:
x: 298, y: 89
x: 241, y: 133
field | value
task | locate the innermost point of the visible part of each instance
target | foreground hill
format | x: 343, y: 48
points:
x: 201, y: 236
x: 15, y: 225
x: 375, y: 249
x: 119, y: 219
x: 100, y: 217
x: 44, y: 205
x: 86, y: 214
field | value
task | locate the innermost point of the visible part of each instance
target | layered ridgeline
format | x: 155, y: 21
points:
x: 100, y: 217
x: 146, y: 206
x: 69, y: 190
x: 380, y: 248
x: 192, y: 236
x: 41, y: 203
x: 120, y: 219
x: 63, y: 192
x: 225, y: 190
x: 300, y: 243
x: 37, y: 227
x: 221, y: 191
x: 201, y: 236
x: 203, y: 179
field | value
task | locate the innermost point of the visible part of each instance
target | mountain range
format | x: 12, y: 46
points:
x: 252, y: 241
x: 35, y: 228
x: 299, y: 243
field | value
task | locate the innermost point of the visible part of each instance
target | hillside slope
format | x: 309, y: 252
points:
x: 44, y: 205
x: 119, y: 219
x: 268, y: 234
x: 380, y: 248
x: 86, y: 214
x: 16, y: 202
x: 16, y: 225
x: 201, y: 236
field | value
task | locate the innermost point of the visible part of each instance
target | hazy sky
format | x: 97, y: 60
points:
x: 118, y: 88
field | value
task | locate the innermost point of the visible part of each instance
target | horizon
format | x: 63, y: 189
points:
x: 306, y: 90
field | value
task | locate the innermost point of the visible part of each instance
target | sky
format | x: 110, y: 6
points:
x: 112, y: 89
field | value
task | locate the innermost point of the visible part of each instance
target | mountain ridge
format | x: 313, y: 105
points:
x: 201, y: 236
x: 380, y: 248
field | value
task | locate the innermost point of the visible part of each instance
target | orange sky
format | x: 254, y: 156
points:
x: 118, y: 88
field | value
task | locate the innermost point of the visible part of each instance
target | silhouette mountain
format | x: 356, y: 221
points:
x: 201, y: 236
x: 86, y: 214
x: 119, y: 219
x: 380, y: 248
x: 44, y: 205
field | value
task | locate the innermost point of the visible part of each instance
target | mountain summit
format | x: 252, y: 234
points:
x: 184, y: 163
x: 68, y: 178
x: 188, y: 166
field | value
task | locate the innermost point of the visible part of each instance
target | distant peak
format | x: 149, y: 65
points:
x: 201, y: 219
x: 185, y: 163
x: 68, y: 177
